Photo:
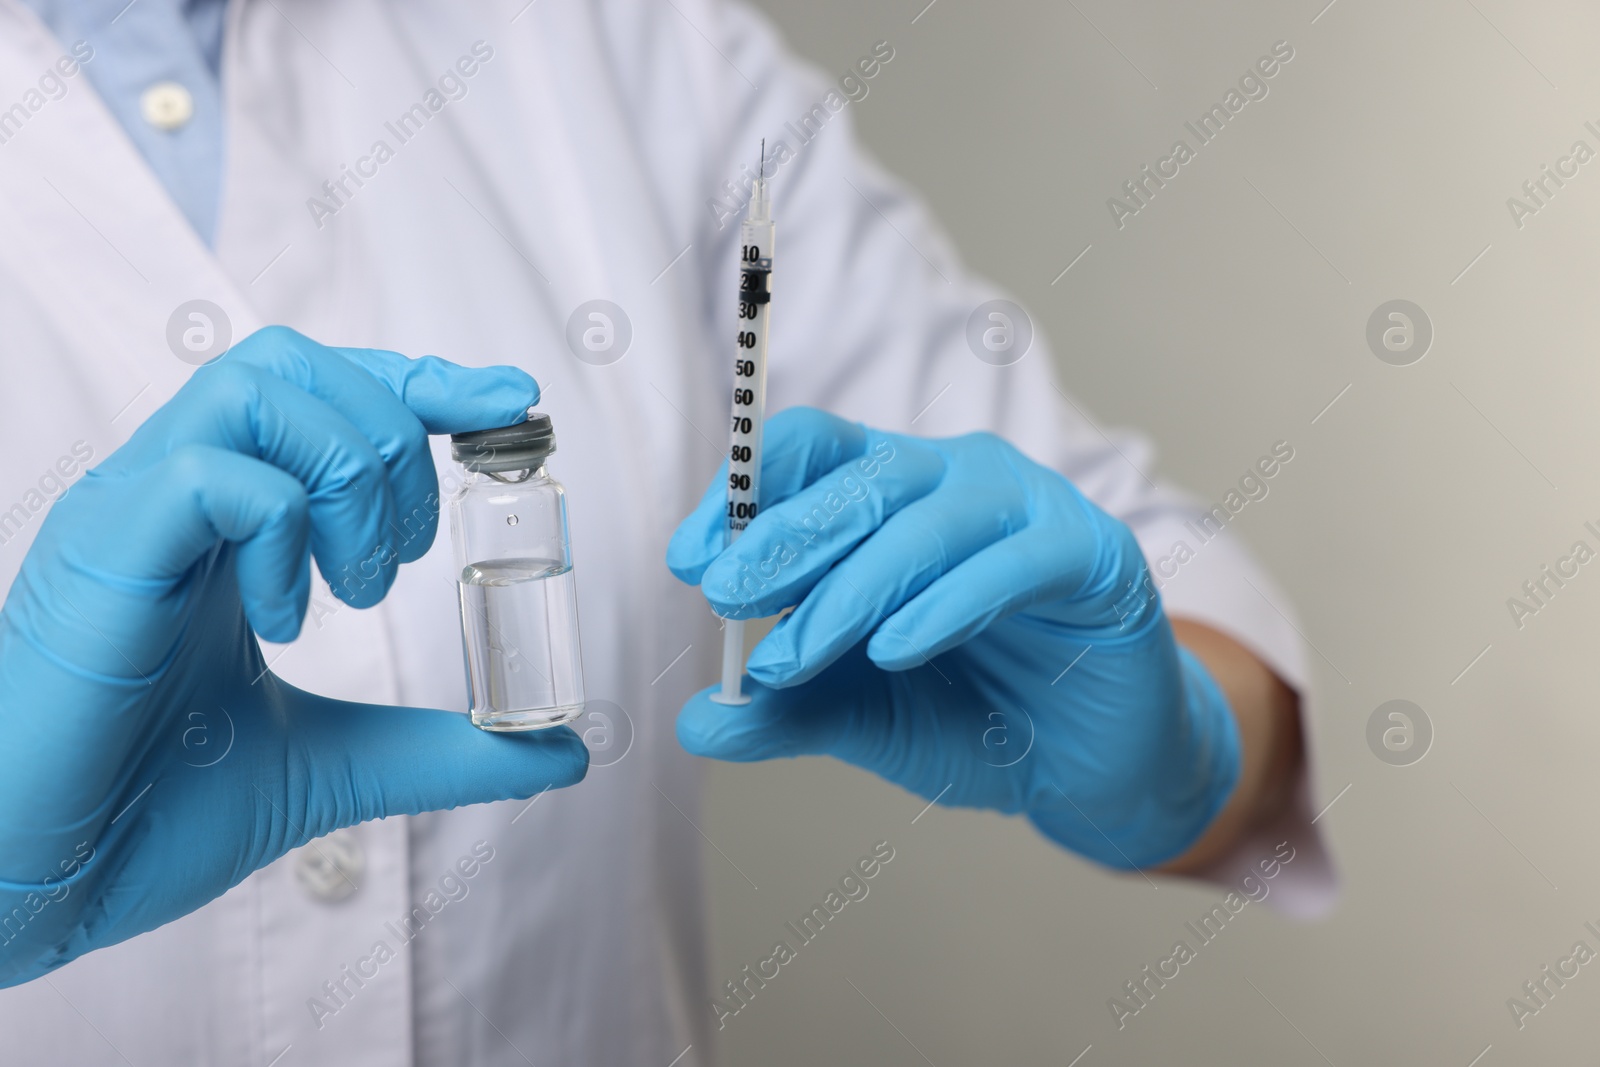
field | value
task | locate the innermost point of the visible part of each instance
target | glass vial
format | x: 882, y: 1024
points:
x: 519, y: 601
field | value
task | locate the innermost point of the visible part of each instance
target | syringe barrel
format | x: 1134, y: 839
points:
x: 749, y: 408
x: 749, y: 374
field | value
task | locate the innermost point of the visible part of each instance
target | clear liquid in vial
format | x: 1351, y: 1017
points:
x: 519, y: 622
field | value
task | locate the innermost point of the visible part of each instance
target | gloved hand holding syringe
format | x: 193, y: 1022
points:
x: 937, y: 593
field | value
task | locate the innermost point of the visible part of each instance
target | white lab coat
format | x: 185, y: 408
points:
x: 577, y: 166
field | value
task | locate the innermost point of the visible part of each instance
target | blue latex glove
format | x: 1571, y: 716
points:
x: 129, y: 629
x: 967, y: 625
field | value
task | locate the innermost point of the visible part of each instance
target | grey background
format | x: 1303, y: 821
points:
x: 1219, y: 322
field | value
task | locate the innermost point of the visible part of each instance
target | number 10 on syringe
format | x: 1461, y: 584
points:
x: 749, y: 403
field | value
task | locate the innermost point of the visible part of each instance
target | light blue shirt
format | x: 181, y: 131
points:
x: 140, y: 44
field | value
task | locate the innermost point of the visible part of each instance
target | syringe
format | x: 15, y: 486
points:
x: 749, y: 403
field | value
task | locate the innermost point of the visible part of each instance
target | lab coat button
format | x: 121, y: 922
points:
x: 166, y: 105
x: 330, y: 867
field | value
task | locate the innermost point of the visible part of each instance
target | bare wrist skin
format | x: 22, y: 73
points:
x: 1267, y: 713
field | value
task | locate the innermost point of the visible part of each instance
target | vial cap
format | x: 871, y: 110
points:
x: 521, y: 446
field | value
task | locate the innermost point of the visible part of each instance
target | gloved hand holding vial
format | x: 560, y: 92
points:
x: 138, y: 609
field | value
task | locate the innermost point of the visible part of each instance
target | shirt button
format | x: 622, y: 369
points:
x: 330, y: 868
x: 166, y: 105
